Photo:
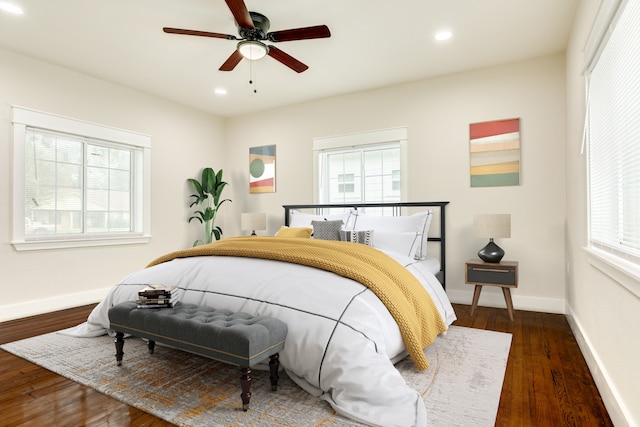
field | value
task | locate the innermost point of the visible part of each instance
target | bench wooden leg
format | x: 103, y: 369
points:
x: 274, y: 365
x: 119, y: 347
x: 245, y: 383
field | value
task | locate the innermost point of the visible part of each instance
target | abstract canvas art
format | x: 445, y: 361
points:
x: 494, y: 149
x: 262, y: 169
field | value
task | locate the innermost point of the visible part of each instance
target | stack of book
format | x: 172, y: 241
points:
x: 157, y: 296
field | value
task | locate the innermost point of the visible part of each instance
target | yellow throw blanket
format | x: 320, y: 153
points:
x: 404, y: 296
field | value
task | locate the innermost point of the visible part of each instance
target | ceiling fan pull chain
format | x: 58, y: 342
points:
x: 251, y: 79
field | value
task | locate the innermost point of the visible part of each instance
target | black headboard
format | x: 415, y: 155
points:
x: 397, y: 210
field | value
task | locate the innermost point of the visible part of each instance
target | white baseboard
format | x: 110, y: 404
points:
x: 617, y: 411
x: 490, y: 298
x: 47, y: 305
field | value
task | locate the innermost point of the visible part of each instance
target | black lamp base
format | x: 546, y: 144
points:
x: 491, y: 253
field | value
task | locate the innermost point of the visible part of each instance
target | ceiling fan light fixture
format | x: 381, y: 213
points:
x: 253, y: 49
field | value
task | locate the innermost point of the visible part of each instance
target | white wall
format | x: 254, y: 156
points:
x: 604, y: 315
x: 183, y: 141
x: 437, y: 113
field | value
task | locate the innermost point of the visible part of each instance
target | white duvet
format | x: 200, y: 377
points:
x: 341, y: 340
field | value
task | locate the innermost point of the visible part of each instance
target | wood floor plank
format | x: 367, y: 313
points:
x: 547, y: 382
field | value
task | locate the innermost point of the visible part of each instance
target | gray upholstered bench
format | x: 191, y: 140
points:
x: 237, y: 338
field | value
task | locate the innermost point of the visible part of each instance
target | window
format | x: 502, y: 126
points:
x: 77, y: 183
x: 614, y: 138
x: 395, y: 179
x: 346, y: 183
x: 360, y: 168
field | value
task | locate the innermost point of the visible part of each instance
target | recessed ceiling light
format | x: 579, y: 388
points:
x: 443, y: 35
x: 220, y: 91
x: 10, y: 8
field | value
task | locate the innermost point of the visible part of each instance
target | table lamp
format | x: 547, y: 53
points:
x: 492, y: 226
x: 253, y: 221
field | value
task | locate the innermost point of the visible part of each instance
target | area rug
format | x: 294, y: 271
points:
x: 461, y: 388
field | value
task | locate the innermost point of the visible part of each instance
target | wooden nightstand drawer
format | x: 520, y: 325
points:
x: 504, y: 275
x: 498, y: 274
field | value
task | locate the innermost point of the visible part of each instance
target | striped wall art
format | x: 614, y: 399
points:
x: 494, y: 149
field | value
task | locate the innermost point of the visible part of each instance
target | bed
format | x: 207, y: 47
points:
x: 354, y: 305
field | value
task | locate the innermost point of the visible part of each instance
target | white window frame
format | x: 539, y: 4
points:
x: 23, y: 118
x: 377, y: 137
x: 621, y: 267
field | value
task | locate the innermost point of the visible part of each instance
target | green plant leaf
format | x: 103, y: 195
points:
x: 196, y: 186
x: 208, y: 214
x: 217, y: 232
x: 208, y: 181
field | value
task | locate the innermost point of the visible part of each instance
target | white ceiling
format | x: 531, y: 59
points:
x: 373, y: 43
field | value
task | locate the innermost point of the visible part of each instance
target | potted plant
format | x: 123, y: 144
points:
x: 208, y: 196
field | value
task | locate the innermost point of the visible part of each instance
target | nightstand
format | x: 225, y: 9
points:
x: 503, y: 274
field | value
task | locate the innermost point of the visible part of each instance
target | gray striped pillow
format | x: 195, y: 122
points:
x: 363, y: 236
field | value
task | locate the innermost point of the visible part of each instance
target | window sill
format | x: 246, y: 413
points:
x: 623, y: 272
x: 38, y: 245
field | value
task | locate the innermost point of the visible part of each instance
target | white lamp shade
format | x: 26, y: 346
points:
x: 492, y: 225
x: 252, y: 49
x: 253, y: 221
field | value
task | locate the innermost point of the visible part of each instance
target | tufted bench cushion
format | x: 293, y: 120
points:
x: 237, y: 338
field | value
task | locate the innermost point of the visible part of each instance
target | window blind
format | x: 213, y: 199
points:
x: 614, y: 138
x: 76, y: 185
x: 366, y: 167
x: 367, y: 174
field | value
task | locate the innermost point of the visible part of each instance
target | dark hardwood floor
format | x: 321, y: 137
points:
x: 547, y: 382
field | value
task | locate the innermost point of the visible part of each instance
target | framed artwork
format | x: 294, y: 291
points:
x: 494, y: 149
x: 262, y: 169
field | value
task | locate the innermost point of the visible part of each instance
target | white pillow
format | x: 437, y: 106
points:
x: 301, y: 219
x: 405, y: 244
x: 418, y: 224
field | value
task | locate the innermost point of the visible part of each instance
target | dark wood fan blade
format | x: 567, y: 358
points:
x: 232, y: 61
x: 198, y: 33
x: 287, y: 59
x: 317, y: 32
x: 240, y: 13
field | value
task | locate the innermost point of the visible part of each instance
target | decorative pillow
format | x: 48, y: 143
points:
x: 300, y: 219
x: 418, y: 223
x: 364, y: 236
x: 405, y: 244
x: 294, y: 232
x: 327, y: 230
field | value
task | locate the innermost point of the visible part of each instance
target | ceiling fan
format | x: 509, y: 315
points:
x: 253, y: 29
